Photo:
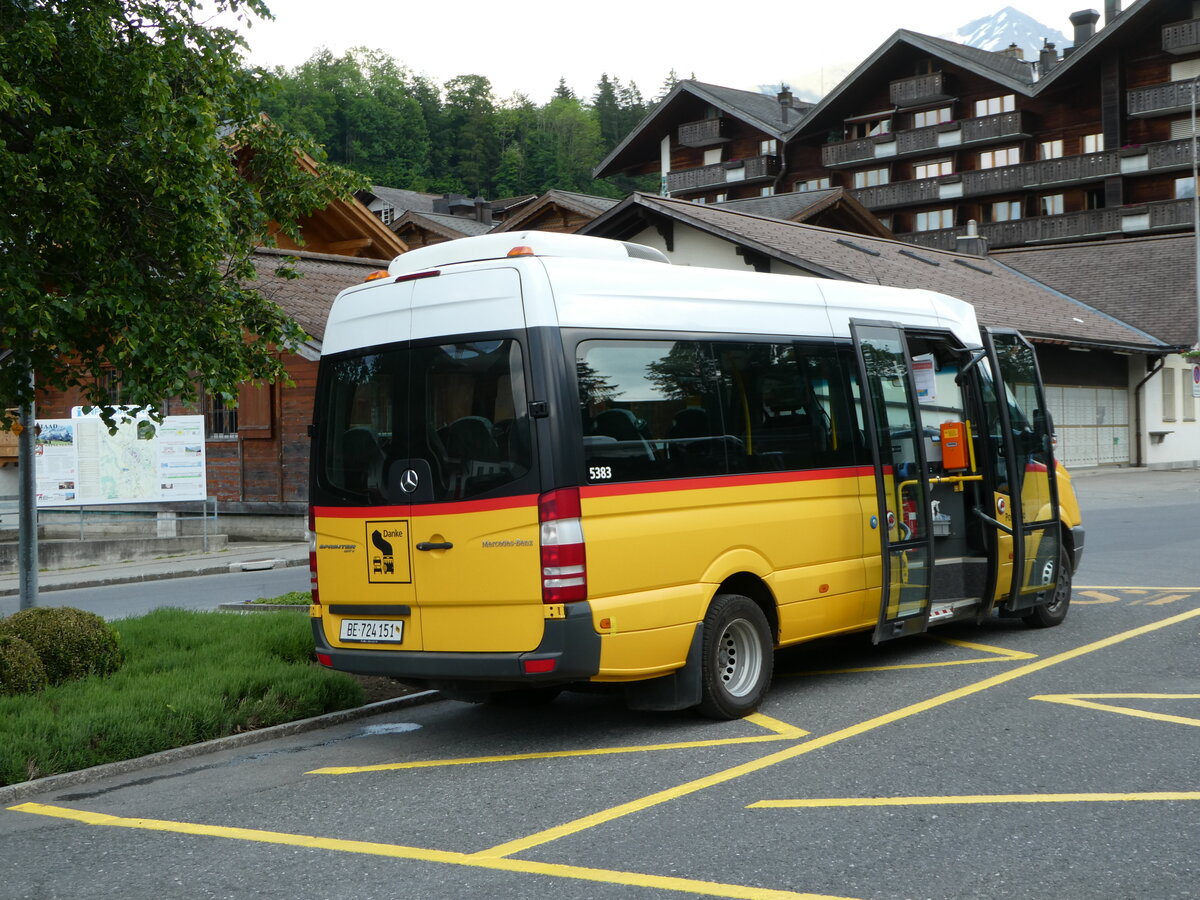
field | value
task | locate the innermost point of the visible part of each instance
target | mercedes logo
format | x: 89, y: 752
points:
x: 408, y: 481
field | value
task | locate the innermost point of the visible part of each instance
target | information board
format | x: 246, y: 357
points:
x: 78, y: 462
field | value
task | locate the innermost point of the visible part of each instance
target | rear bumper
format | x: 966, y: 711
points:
x: 572, y: 642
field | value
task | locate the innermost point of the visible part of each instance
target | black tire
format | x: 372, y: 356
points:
x: 737, y: 657
x: 1053, y: 608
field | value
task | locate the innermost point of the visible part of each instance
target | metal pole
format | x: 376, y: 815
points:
x: 27, y: 550
x: 1196, y: 209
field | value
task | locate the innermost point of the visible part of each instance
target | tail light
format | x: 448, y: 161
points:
x: 312, y: 556
x: 564, y: 562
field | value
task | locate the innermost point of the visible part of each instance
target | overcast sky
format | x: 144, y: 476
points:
x: 527, y: 45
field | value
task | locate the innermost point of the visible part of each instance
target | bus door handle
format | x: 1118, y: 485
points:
x: 435, y: 545
x: 979, y: 512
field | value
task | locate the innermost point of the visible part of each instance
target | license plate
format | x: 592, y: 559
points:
x: 383, y: 631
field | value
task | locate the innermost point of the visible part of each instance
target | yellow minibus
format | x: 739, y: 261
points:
x: 542, y: 461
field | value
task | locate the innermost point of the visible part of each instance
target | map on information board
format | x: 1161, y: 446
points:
x: 78, y: 462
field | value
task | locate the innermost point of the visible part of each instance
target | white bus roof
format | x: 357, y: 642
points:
x: 519, y: 243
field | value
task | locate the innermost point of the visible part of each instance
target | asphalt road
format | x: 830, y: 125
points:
x: 978, y: 762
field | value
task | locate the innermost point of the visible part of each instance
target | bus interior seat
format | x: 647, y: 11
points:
x: 362, y: 459
x: 622, y: 426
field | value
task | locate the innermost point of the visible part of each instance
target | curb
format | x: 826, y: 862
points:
x: 20, y: 791
x: 223, y: 568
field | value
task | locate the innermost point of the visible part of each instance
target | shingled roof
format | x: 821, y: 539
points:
x: 807, y: 206
x: 307, y: 299
x: 1148, y: 282
x: 1002, y: 296
x: 585, y: 205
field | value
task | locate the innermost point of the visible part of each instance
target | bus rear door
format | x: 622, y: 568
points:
x: 902, y: 512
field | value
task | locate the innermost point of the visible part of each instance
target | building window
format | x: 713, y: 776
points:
x: 1187, y: 401
x: 1093, y: 143
x: 996, y: 105
x: 1052, y: 205
x: 720, y: 198
x: 1005, y: 156
x: 814, y: 184
x: 699, y: 200
x: 927, y: 117
x: 110, y: 382
x: 1168, y: 395
x: 934, y: 220
x: 871, y: 178
x: 385, y: 214
x: 220, y: 419
x: 766, y: 191
x: 1050, y: 149
x: 1003, y: 211
x: 1185, y: 188
x: 713, y: 156
x: 868, y: 127
x: 1093, y: 198
x: 933, y: 168
x: 768, y: 148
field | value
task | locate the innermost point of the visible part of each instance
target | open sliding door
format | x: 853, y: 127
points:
x: 897, y: 447
x: 1022, y: 432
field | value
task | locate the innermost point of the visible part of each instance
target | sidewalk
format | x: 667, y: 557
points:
x: 236, y: 557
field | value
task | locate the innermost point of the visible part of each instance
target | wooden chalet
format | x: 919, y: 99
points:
x: 560, y: 211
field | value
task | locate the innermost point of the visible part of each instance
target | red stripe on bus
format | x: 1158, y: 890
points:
x: 715, y: 481
x: 452, y: 507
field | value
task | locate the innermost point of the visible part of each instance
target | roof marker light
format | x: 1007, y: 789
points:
x: 521, y: 250
x: 376, y: 275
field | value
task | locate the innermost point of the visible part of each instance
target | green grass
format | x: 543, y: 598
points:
x: 188, y: 677
x: 291, y: 598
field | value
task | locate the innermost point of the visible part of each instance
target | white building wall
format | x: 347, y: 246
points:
x: 1172, y: 433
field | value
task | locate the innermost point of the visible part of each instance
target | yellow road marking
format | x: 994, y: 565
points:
x: 1000, y: 654
x: 699, y: 784
x: 688, y: 886
x: 780, y: 731
x: 971, y: 799
x: 1169, y: 598
x: 1093, y: 597
x: 1119, y: 587
x: 1084, y: 700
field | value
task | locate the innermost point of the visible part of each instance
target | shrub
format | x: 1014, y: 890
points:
x: 21, y: 672
x: 71, y: 643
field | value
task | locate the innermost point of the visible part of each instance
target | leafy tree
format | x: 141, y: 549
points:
x: 139, y: 177
x: 471, y: 124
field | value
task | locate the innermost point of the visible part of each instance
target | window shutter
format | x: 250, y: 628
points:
x: 256, y: 411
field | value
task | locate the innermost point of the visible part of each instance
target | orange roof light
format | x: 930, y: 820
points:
x: 521, y: 250
x: 376, y: 275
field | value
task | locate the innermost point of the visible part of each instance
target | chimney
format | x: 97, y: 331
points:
x: 972, y: 243
x: 1047, y: 58
x: 1012, y: 50
x: 483, y: 211
x: 785, y: 101
x: 1112, y: 9
x: 1085, y: 25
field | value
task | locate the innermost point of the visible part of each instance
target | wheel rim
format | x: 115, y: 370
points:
x: 739, y: 658
x: 1049, y: 570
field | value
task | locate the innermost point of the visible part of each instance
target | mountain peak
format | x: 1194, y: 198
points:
x: 1009, y: 26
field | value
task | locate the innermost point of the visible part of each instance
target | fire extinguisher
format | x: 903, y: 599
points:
x: 910, y: 515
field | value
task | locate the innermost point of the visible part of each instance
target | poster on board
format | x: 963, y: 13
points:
x: 78, y: 462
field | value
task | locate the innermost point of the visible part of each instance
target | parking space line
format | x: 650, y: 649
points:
x: 999, y: 654
x: 689, y: 886
x: 604, y: 816
x: 1084, y: 700
x: 780, y: 731
x: 973, y: 799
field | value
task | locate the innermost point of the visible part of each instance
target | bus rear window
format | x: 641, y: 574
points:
x: 453, y: 412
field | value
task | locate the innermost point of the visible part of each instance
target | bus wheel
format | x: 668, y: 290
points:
x: 737, y: 658
x: 1053, y: 609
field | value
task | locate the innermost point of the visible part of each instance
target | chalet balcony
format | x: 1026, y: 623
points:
x: 1181, y: 38
x: 1160, y: 99
x: 1038, y: 175
x: 920, y: 89
x: 705, y: 133
x: 915, y: 141
x: 756, y: 168
x: 1164, y: 215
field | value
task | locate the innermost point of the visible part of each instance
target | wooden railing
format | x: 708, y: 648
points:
x: 919, y: 89
x: 754, y: 168
x: 1004, y: 126
x: 1181, y: 37
x: 704, y: 133
x: 1159, y: 99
